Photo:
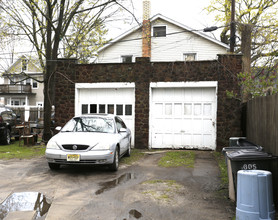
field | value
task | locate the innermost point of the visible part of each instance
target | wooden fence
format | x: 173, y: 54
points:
x: 262, y: 129
x: 262, y: 122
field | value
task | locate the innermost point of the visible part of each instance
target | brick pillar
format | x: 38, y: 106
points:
x: 146, y: 30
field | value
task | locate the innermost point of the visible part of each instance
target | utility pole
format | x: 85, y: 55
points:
x: 233, y: 27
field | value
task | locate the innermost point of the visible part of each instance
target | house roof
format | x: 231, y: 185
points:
x: 160, y: 16
x: 17, y: 62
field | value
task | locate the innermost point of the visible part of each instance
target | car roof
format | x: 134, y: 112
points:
x: 3, y: 108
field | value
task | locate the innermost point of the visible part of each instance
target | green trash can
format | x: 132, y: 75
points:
x: 246, y: 160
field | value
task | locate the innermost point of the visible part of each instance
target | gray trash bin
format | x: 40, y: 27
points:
x: 254, y: 195
x: 245, y: 160
x: 240, y: 144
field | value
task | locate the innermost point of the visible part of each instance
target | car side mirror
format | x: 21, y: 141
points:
x: 58, y: 128
x: 123, y: 130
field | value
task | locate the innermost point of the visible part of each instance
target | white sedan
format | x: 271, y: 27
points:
x: 90, y: 139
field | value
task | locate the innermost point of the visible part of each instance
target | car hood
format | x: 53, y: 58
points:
x: 85, y: 138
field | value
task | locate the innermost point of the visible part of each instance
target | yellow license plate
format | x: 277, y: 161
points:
x: 73, y: 157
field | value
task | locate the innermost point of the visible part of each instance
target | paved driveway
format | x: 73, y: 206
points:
x: 140, y: 191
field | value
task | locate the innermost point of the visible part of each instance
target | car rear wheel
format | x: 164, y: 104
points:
x: 7, y: 137
x: 115, y: 165
x: 54, y: 166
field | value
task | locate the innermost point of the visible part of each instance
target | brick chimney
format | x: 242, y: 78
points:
x: 146, y: 30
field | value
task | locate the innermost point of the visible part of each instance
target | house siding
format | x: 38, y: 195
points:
x: 32, y: 70
x: 142, y: 73
x: 128, y: 46
x: 163, y: 49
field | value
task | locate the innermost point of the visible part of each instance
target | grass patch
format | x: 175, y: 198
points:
x: 220, y: 158
x: 136, y: 154
x: 13, y: 151
x: 169, y: 183
x: 162, y: 190
x: 177, y: 159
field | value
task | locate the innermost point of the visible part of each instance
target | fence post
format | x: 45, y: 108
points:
x: 27, y: 113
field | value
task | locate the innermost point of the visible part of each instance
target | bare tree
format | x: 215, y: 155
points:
x: 46, y: 23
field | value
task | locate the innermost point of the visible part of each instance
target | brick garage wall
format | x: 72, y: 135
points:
x: 143, y: 72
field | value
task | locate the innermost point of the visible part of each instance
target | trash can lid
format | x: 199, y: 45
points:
x: 248, y: 155
x: 243, y: 142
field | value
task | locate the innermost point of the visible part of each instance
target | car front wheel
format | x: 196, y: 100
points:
x: 54, y: 166
x: 128, y: 152
x: 115, y: 165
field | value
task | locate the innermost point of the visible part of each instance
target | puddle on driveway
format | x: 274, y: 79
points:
x: 25, y: 201
x: 134, y: 213
x: 112, y: 184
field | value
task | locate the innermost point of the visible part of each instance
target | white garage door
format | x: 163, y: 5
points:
x: 183, y: 118
x: 101, y: 98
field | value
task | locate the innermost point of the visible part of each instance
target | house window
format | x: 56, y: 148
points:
x: 35, y: 84
x: 28, y: 81
x: 24, y: 65
x: 126, y: 59
x: 189, y: 56
x: 159, y: 31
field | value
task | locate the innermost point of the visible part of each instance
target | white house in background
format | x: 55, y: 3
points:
x: 22, y: 83
x: 165, y: 40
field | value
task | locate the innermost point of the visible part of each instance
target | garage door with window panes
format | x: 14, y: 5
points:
x: 183, y: 118
x: 118, y: 102
x: 115, y: 109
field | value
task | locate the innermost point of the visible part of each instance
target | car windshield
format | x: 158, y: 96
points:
x: 90, y: 124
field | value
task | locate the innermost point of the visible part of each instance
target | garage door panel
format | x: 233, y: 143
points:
x: 197, y: 109
x: 177, y: 126
x: 188, y: 109
x: 207, y: 109
x: 207, y: 139
x: 187, y: 115
x: 208, y: 94
x: 158, y: 109
x: 207, y: 126
x: 197, y: 126
x: 118, y: 101
x: 177, y: 109
x: 186, y: 125
x: 197, y: 140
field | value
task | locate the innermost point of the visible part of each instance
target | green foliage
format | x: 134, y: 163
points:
x: 223, y: 168
x: 136, y: 154
x: 261, y: 14
x: 254, y: 86
x: 84, y: 40
x: 178, y: 158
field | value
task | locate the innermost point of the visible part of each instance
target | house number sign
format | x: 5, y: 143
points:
x: 249, y: 166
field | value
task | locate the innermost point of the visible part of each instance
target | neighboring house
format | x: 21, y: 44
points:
x: 22, y: 83
x: 166, y: 40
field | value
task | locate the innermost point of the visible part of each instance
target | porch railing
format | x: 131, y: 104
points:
x: 18, y: 88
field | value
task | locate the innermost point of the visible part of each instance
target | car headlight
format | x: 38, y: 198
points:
x: 101, y: 146
x: 52, y: 145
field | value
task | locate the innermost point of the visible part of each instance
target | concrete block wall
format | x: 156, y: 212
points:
x: 142, y: 73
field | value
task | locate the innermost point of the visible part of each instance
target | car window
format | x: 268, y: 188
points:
x: 120, y: 124
x: 90, y: 124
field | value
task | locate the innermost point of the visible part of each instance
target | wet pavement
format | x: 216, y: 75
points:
x: 140, y: 191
